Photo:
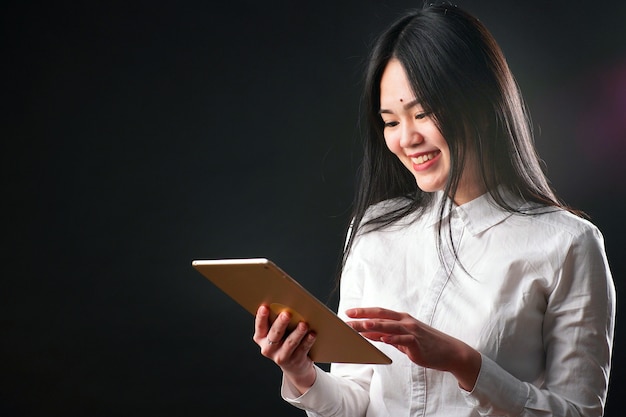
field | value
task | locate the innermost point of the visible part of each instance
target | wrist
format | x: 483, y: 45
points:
x: 302, y: 381
x: 467, y: 367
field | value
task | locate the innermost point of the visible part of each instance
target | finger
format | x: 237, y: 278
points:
x: 376, y: 337
x: 278, y: 329
x: 367, y: 329
x: 295, y: 349
x: 261, y: 323
x: 373, y: 312
x: 307, y: 343
x: 296, y: 338
x: 398, y: 340
x: 378, y: 326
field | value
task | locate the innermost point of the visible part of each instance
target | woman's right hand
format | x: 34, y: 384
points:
x: 290, y: 351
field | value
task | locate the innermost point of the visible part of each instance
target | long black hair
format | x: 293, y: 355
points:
x: 461, y: 78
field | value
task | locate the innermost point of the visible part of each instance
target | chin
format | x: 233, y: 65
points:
x: 429, y: 188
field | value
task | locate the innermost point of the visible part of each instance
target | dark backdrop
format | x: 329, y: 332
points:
x: 141, y: 135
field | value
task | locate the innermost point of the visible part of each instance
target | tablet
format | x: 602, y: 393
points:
x: 256, y: 281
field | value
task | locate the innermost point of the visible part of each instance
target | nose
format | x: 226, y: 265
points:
x: 410, y: 136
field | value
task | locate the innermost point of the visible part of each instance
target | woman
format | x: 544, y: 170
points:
x: 490, y: 295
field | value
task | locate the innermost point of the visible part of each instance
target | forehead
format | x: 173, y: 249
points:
x: 394, y: 85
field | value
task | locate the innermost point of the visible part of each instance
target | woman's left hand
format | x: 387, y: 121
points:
x: 423, y: 344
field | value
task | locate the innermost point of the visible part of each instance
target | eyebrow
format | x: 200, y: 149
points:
x: 407, y: 106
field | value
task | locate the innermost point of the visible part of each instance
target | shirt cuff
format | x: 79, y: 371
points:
x: 497, y: 391
x: 321, y: 394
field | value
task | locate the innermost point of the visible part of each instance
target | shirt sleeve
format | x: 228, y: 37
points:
x: 578, y: 339
x: 330, y: 396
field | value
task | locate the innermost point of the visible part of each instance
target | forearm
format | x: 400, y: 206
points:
x: 497, y: 392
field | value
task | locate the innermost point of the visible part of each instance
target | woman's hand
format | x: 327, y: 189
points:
x: 288, y: 350
x: 423, y: 344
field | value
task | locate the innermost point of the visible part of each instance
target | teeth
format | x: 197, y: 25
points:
x: 423, y: 158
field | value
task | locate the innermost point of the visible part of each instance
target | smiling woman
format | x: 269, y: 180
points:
x: 460, y: 258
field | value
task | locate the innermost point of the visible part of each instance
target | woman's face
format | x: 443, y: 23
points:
x: 412, y: 135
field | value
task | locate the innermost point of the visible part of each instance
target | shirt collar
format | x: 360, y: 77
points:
x: 477, y: 215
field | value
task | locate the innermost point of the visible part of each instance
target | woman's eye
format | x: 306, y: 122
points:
x: 390, y: 123
x: 420, y: 116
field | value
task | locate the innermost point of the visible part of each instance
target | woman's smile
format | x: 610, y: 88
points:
x: 421, y: 161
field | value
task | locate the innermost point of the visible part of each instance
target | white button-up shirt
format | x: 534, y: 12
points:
x: 537, y: 301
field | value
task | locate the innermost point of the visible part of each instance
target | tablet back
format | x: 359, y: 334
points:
x: 256, y: 281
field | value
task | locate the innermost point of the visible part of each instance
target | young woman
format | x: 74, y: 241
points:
x: 461, y: 264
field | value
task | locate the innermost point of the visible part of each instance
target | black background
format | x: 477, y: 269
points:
x: 138, y: 136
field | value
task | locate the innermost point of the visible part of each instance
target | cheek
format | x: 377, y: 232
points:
x: 392, y: 143
x: 445, y: 158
